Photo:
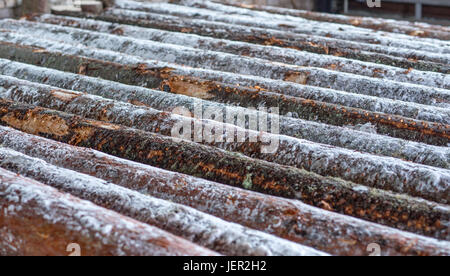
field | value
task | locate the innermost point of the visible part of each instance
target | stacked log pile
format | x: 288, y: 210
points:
x: 109, y: 107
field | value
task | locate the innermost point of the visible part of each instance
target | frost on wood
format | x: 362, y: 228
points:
x: 232, y: 63
x: 302, y: 26
x: 292, y: 220
x: 404, y: 58
x: 395, y: 28
x: 276, y: 54
x: 363, y: 140
x: 375, y: 171
x: 320, y: 45
x: 386, y: 28
x: 31, y: 212
x: 325, y: 134
x: 428, y: 132
x: 205, y: 230
x: 270, y: 73
x: 234, y: 169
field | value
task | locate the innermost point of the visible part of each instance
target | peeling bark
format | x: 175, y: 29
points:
x: 412, y: 93
x: 197, y: 10
x: 295, y: 76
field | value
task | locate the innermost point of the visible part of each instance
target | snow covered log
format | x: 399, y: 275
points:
x: 326, y: 46
x: 276, y: 54
x: 194, y: 9
x: 200, y: 228
x: 414, y: 29
x: 286, y: 218
x: 36, y: 219
x: 316, y: 132
x: 235, y: 63
x: 190, y: 56
x: 419, y: 215
x: 395, y: 126
x: 378, y: 172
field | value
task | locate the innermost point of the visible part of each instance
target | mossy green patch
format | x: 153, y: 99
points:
x: 248, y: 183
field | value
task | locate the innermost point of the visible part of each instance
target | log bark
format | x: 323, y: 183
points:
x: 200, y: 228
x: 365, y: 169
x: 400, y: 211
x: 141, y: 75
x: 36, y: 219
x: 326, y: 46
x: 282, y: 55
x: 285, y: 218
x: 320, y: 133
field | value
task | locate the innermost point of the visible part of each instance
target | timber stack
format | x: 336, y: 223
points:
x: 199, y: 128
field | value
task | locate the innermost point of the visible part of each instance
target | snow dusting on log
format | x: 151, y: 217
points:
x: 230, y: 168
x: 316, y: 132
x: 383, y: 173
x: 32, y: 212
x: 292, y: 220
x: 276, y: 54
x: 206, y: 230
x: 395, y: 126
x: 307, y: 27
x: 193, y: 127
x: 390, y: 27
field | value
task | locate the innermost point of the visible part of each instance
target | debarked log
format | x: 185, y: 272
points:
x: 286, y: 218
x: 400, y: 211
x: 395, y: 126
x: 375, y: 171
x: 200, y: 228
x: 36, y: 219
x: 316, y: 132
